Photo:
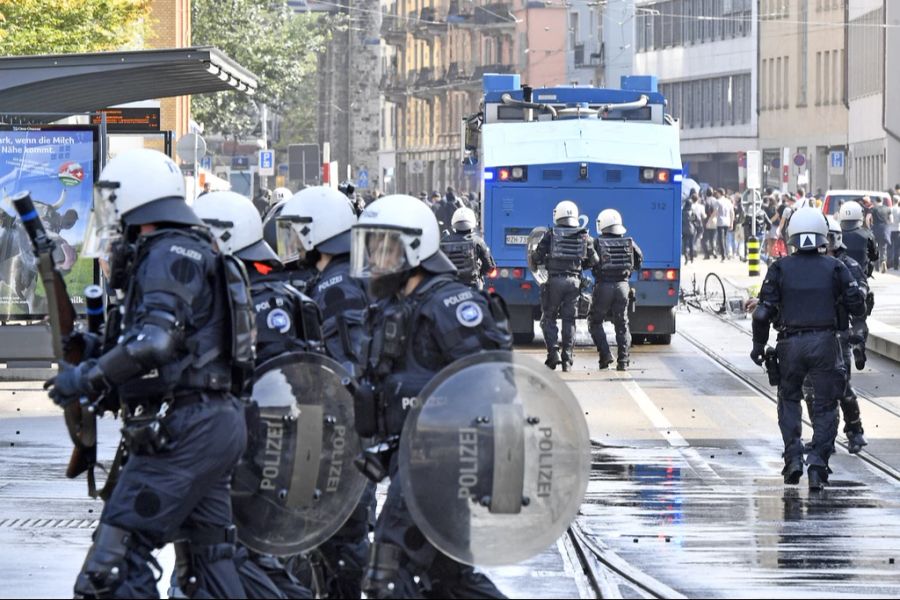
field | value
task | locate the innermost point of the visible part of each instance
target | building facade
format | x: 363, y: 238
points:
x: 873, y: 87
x: 705, y: 55
x: 172, y: 29
x: 803, y: 92
x: 434, y: 54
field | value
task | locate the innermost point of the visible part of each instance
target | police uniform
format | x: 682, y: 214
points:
x: 619, y: 257
x: 412, y: 339
x: 343, y: 301
x: 566, y: 252
x: 185, y: 326
x: 471, y: 256
x: 801, y: 296
x: 860, y: 246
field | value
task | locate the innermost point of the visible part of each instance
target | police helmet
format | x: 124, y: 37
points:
x: 136, y: 187
x: 808, y: 230
x: 566, y: 214
x: 270, y: 233
x: 610, y: 221
x: 397, y: 233
x: 317, y: 218
x: 347, y: 188
x: 236, y: 225
x: 463, y: 219
x: 280, y: 194
x: 835, y: 233
x: 851, y: 214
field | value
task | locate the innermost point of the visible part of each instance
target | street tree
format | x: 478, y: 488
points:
x: 275, y: 43
x: 69, y: 26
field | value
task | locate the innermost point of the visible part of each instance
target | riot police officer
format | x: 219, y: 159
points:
x: 314, y: 227
x: 467, y: 250
x: 853, y: 428
x: 861, y: 247
x: 185, y: 349
x: 425, y: 319
x: 566, y: 250
x: 801, y: 295
x: 286, y: 321
x: 619, y: 257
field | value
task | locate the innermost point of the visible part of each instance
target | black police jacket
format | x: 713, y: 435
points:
x: 343, y: 302
x: 414, y: 337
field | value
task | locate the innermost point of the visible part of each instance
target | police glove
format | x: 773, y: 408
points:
x: 89, y: 345
x: 758, y: 354
x: 71, y: 383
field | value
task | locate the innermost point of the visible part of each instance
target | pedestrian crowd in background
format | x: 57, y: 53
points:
x: 718, y: 224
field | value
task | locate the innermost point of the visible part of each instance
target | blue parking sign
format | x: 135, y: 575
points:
x: 362, y: 179
x: 266, y: 162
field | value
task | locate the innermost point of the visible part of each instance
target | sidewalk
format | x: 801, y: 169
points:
x: 884, y: 322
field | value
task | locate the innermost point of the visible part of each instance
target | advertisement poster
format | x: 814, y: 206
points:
x: 57, y: 164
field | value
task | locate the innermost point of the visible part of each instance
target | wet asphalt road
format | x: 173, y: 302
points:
x: 686, y: 485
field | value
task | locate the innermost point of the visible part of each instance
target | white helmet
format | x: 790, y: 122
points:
x: 610, y: 221
x: 281, y: 194
x: 236, y: 225
x: 566, y: 214
x: 397, y: 233
x: 463, y: 219
x: 316, y: 218
x: 136, y: 187
x: 851, y: 214
x: 808, y: 230
x: 835, y: 234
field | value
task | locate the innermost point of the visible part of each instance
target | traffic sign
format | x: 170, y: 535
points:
x: 799, y: 160
x: 362, y: 179
x: 266, y: 162
x: 190, y: 147
x: 836, y: 162
x: 754, y: 169
x: 416, y: 166
x: 206, y: 163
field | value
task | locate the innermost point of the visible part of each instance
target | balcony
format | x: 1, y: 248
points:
x: 427, y: 24
x: 474, y: 80
x: 394, y: 28
x: 395, y: 86
x: 491, y: 16
x: 428, y: 83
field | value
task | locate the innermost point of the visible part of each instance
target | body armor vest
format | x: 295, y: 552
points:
x: 568, y: 247
x: 460, y: 249
x: 616, y: 257
x: 808, y: 299
x: 857, y: 243
x: 286, y: 320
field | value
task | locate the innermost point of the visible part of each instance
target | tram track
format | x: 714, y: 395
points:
x: 606, y: 572
x: 768, y: 393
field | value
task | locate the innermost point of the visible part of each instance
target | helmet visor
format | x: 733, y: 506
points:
x: 103, y: 226
x: 290, y: 246
x: 376, y: 251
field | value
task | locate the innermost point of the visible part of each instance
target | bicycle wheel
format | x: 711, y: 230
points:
x: 714, y: 293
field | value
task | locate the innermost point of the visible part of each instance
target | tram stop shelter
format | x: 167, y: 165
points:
x: 45, y: 88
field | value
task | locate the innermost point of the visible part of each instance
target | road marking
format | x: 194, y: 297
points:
x: 653, y: 413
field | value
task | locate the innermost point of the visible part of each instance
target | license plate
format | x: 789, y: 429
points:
x: 516, y: 240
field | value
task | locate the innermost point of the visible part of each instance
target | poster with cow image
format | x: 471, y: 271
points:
x: 58, y: 165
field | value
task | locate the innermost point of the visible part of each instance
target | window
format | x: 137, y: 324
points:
x: 804, y: 47
x: 826, y: 82
x: 668, y: 29
x: 836, y: 77
x: 786, y: 101
x: 818, y: 78
x: 778, y: 76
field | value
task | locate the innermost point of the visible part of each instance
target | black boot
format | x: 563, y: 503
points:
x: 855, y: 438
x: 859, y: 356
x: 792, y: 472
x: 818, y: 477
x: 552, y: 358
x: 567, y: 359
x: 605, y: 361
x: 622, y: 365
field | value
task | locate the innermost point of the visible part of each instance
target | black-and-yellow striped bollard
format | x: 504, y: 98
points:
x: 753, y: 256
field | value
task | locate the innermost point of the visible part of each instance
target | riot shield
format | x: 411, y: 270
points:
x: 496, y: 459
x: 539, y: 272
x: 296, y: 484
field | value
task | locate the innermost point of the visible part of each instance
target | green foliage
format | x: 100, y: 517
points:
x: 71, y: 26
x: 279, y: 46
